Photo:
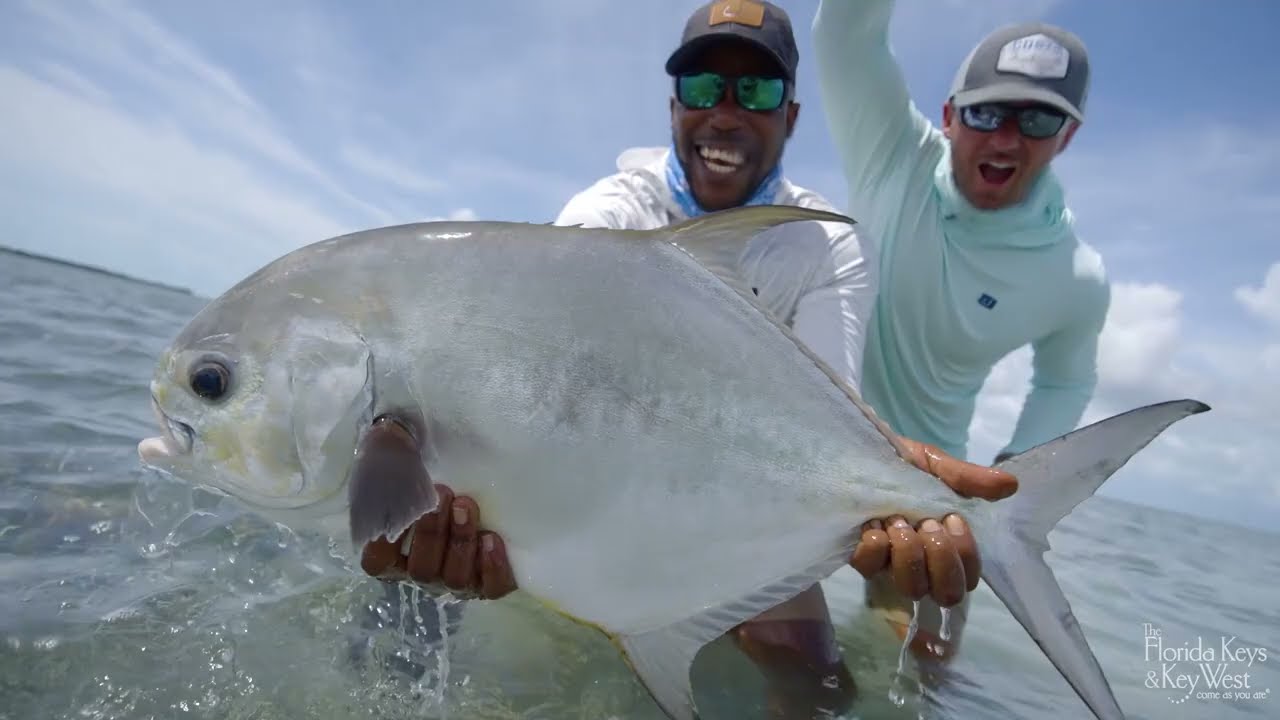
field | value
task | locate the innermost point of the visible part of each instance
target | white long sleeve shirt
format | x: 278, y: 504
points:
x: 817, y: 278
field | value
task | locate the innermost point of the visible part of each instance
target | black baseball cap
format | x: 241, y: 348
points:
x: 762, y: 24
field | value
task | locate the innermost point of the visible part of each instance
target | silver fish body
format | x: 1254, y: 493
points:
x: 662, y: 459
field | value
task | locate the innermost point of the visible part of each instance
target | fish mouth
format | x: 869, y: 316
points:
x: 176, y: 440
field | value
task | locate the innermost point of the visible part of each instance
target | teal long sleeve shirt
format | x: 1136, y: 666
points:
x: 960, y: 288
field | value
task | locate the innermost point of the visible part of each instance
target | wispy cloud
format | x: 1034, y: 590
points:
x: 384, y: 169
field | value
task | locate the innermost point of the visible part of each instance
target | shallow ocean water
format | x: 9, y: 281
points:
x: 126, y: 595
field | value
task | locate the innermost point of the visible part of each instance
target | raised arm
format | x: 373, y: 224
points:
x: 887, y: 149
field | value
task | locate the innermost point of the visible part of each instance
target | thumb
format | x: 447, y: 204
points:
x: 966, y: 479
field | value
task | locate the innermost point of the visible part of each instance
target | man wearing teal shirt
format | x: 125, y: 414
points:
x: 978, y: 254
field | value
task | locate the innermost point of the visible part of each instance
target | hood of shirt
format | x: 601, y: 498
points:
x: 1040, y: 220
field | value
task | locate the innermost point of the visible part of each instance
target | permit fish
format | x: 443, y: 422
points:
x: 663, y: 458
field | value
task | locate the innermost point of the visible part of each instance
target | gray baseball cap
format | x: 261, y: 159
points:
x: 761, y: 23
x: 1030, y: 62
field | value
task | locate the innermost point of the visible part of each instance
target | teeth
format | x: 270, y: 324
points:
x: 1002, y: 166
x: 721, y: 161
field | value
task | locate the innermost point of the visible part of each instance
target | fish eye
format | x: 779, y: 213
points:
x: 210, y: 380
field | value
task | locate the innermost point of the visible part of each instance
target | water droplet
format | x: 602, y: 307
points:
x: 945, y: 631
x: 897, y: 686
x: 47, y: 643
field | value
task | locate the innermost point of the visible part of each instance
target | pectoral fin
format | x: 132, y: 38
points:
x: 332, y: 391
x: 390, y: 488
x: 662, y: 658
x: 330, y: 372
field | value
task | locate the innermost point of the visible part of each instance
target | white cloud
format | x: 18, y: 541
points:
x: 1264, y: 301
x: 153, y: 165
x: 69, y: 79
x: 194, y: 93
x: 1147, y: 354
x: 1135, y: 366
x: 1141, y: 333
x: 163, y: 163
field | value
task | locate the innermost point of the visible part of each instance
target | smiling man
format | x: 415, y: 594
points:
x: 979, y: 256
x: 732, y: 110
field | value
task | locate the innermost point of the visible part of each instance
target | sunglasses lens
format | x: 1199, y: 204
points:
x: 1040, y: 123
x: 1034, y: 122
x: 983, y: 117
x: 700, y: 91
x: 757, y: 93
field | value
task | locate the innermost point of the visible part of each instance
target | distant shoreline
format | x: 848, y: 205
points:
x: 93, y: 269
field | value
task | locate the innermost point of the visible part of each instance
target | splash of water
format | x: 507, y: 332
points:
x: 898, y: 687
x: 443, y: 653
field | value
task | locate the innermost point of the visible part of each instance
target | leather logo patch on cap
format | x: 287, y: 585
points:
x: 743, y: 12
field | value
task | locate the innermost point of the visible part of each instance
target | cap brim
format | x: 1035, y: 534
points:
x: 689, y: 50
x: 1014, y: 92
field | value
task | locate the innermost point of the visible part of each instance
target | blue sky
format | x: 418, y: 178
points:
x: 193, y: 142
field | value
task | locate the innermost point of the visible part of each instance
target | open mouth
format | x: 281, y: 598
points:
x: 721, y: 160
x: 997, y: 173
x: 176, y: 440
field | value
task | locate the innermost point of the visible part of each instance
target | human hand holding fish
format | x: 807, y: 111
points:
x: 446, y: 548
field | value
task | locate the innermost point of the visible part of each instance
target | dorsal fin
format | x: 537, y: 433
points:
x: 717, y: 240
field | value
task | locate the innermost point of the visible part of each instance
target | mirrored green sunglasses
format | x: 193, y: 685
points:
x: 701, y: 91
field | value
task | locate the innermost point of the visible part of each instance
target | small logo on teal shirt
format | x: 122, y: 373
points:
x: 986, y: 301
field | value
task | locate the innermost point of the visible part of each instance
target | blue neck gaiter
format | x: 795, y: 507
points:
x: 764, y: 194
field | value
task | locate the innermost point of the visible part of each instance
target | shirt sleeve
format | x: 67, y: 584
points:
x: 832, y: 315
x: 885, y: 146
x: 1064, y: 376
x: 613, y: 202
x: 590, y: 212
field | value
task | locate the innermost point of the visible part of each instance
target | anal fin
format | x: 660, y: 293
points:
x: 390, y: 488
x: 662, y: 658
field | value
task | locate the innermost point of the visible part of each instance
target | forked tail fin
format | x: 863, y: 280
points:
x: 1052, y: 480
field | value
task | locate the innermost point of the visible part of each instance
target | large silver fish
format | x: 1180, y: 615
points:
x: 662, y: 458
